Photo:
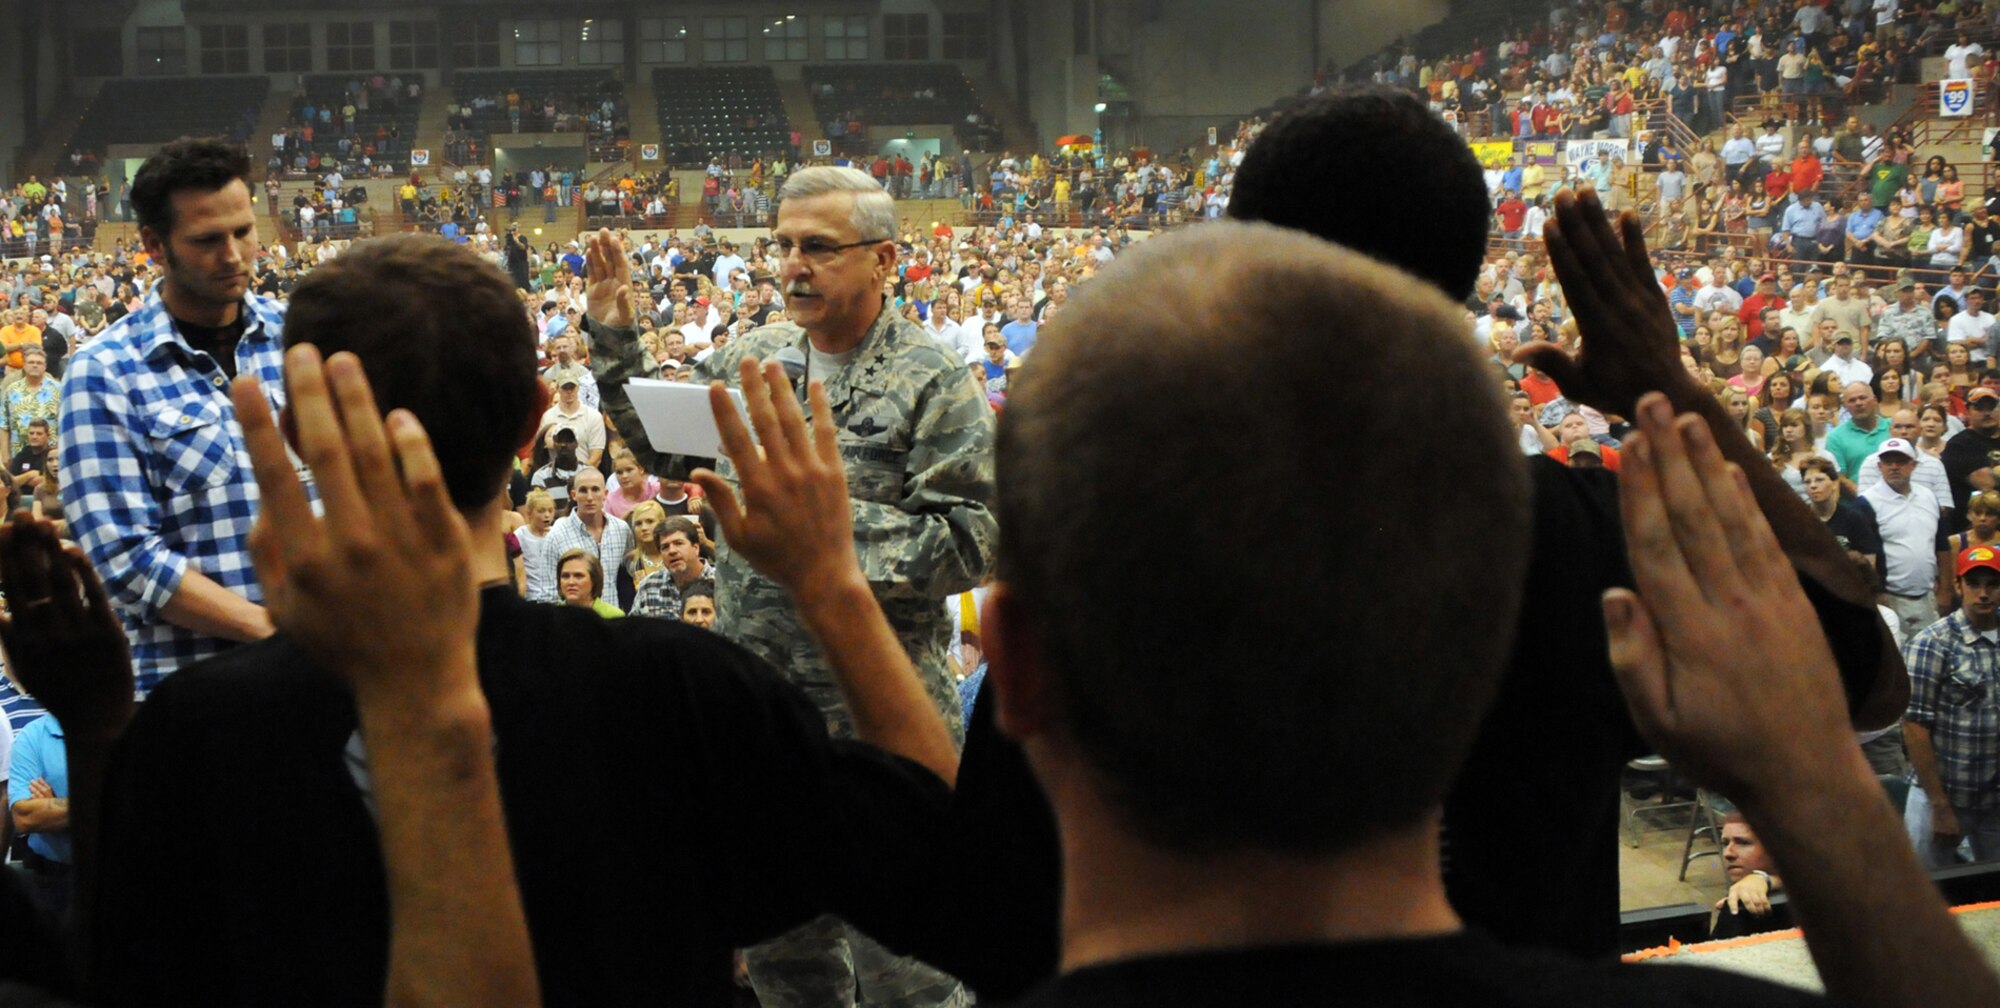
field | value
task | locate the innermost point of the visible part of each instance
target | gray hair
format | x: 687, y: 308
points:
x: 874, y: 215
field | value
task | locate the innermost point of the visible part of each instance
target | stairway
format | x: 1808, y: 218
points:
x: 431, y: 120
x: 1016, y: 130
x: 277, y: 108
x: 642, y: 113
x: 799, y: 112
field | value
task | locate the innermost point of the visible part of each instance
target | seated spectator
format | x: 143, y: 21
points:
x: 1746, y: 908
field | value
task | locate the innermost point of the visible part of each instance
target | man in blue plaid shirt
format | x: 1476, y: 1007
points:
x: 156, y: 482
x: 1953, y: 725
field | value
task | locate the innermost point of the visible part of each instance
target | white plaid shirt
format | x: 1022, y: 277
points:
x: 156, y: 480
x: 567, y: 534
x: 1955, y: 695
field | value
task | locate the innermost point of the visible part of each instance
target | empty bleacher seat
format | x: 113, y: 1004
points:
x: 715, y: 111
x: 155, y: 110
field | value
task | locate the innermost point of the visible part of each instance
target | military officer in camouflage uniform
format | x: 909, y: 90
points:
x: 917, y: 438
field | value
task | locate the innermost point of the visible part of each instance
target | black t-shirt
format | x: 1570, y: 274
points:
x: 1457, y: 970
x: 1558, y: 736
x: 1967, y: 451
x: 1854, y: 527
x: 1984, y: 236
x: 29, y: 459
x: 669, y: 797
x: 218, y: 342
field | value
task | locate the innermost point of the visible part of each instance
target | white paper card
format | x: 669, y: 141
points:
x: 677, y: 417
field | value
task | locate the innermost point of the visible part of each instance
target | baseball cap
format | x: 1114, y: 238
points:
x: 1768, y: 277
x: 1976, y: 558
x: 1981, y: 394
x: 1843, y: 338
x: 1896, y: 446
x: 1685, y: 273
x: 1587, y: 446
x: 563, y: 434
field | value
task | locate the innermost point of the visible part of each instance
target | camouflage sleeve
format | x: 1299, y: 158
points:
x: 938, y: 539
x: 615, y: 358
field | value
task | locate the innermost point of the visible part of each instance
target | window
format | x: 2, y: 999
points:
x: 475, y: 43
x: 906, y: 36
x: 538, y: 43
x: 601, y: 41
x: 846, y: 36
x: 97, y: 52
x: 163, y: 52
x: 784, y: 38
x: 725, y: 39
x: 350, y: 45
x: 663, y: 40
x: 413, y: 45
x: 225, y: 49
x: 965, y: 36
x: 288, y: 48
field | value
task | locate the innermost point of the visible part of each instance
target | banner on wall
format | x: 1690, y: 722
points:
x: 649, y: 152
x: 1585, y: 155
x: 1955, y: 97
x: 420, y: 158
x: 1493, y: 151
x: 822, y: 148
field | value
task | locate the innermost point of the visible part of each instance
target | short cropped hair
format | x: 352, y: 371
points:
x: 874, y: 216
x: 1374, y: 617
x: 1307, y: 167
x: 203, y: 164
x: 439, y: 333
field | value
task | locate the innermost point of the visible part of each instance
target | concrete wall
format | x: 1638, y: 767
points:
x: 30, y: 82
x: 1185, y: 64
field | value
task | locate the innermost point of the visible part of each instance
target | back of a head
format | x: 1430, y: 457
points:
x: 1302, y: 668
x: 1327, y: 168
x: 440, y: 332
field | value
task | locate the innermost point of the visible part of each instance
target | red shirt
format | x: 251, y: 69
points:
x: 1512, y: 213
x: 1752, y: 312
x: 1540, y: 388
x: 1806, y: 173
x: 1777, y: 183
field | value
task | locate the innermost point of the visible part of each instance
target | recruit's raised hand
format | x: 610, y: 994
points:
x: 381, y: 585
x: 609, y: 284
x: 1630, y: 345
x: 792, y: 520
x: 1713, y: 587
x: 64, y: 645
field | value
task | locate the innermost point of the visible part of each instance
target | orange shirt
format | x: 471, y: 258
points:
x: 18, y: 337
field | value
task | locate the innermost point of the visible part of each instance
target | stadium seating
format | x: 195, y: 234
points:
x: 154, y: 110
x: 714, y: 111
x: 575, y: 90
x: 887, y: 94
x: 322, y: 89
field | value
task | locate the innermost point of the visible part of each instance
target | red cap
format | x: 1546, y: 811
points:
x: 1978, y: 557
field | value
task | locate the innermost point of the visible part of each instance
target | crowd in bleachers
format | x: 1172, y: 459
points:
x: 550, y: 101
x: 358, y: 126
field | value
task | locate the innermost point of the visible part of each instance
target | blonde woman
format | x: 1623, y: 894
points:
x: 646, y: 559
x: 1794, y: 445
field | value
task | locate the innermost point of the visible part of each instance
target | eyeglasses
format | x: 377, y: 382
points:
x: 817, y: 250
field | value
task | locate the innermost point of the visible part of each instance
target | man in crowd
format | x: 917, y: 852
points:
x: 587, y: 527
x: 703, y: 805
x: 1908, y: 320
x: 1841, y: 361
x: 665, y: 596
x: 562, y: 467
x: 1972, y: 454
x: 568, y: 412
x: 1515, y: 760
x: 1855, y: 440
x: 919, y: 463
x: 1952, y: 729
x: 1906, y: 519
x: 153, y: 485
x: 1849, y: 313
x: 1929, y: 472
x: 35, y: 397
x: 1973, y: 328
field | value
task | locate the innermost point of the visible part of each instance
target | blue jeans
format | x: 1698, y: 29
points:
x: 1979, y: 827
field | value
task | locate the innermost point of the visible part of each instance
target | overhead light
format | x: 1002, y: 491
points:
x: 1100, y: 106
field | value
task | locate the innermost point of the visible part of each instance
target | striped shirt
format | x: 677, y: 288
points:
x: 1955, y: 695
x: 156, y: 481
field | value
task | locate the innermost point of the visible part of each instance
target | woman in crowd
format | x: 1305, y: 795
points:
x: 1793, y: 446
x: 1950, y: 196
x: 1919, y: 243
x: 1787, y: 356
x: 1933, y: 421
x: 1735, y: 210
x: 1856, y: 531
x: 1891, y: 240
x: 1947, y: 241
x: 580, y: 582
x: 698, y: 605
x: 1892, y: 355
x: 1738, y: 405
x: 1982, y: 517
x: 1958, y: 364
x: 1756, y: 210
x: 1822, y: 412
x: 1927, y: 183
x: 1888, y: 387
x: 1749, y: 378
x: 1778, y: 395
x: 539, y: 510
x: 632, y: 486
x: 1746, y: 909
x: 646, y: 558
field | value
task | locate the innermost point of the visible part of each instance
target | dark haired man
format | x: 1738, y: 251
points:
x: 154, y: 482
x: 1558, y: 675
x: 667, y: 800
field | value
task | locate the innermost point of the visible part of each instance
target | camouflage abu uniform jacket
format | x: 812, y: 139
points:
x: 917, y: 437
